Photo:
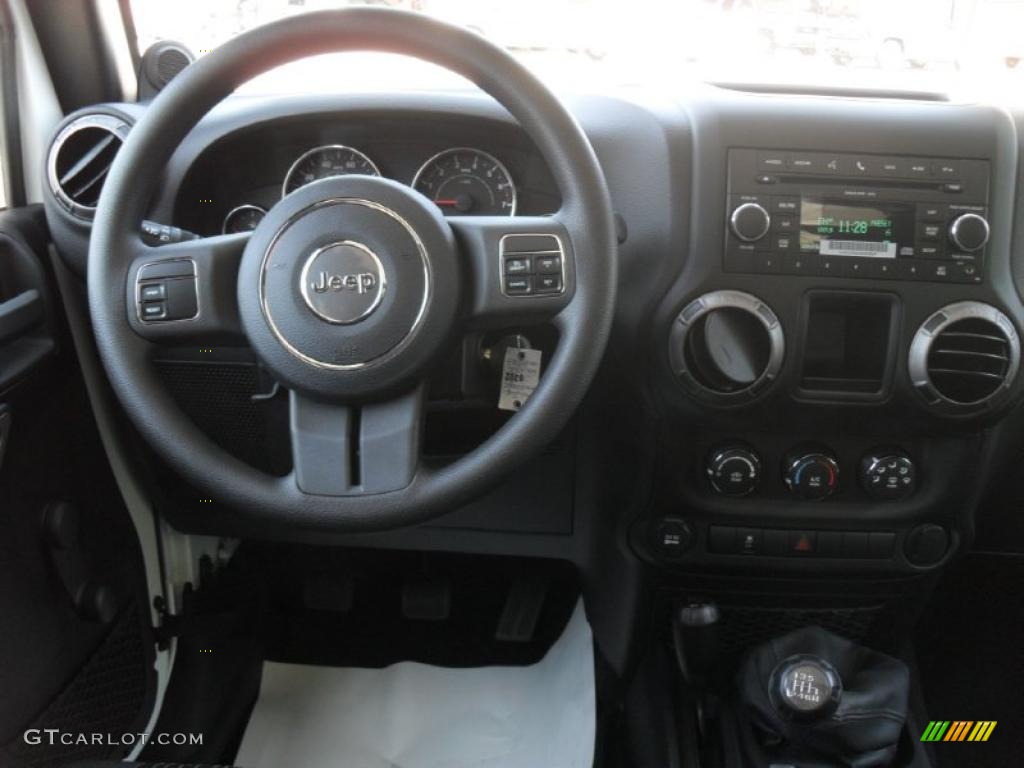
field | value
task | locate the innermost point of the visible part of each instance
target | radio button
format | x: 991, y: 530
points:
x: 783, y: 243
x: 829, y: 266
x: 931, y: 213
x: 929, y: 231
x: 854, y: 267
x: 908, y: 269
x: 785, y: 204
x: 831, y: 164
x: 941, y: 271
x: 893, y: 167
x: 799, y: 264
x: 885, y: 269
x: 953, y: 189
x: 930, y: 252
x: 783, y: 223
x: 947, y: 169
x: 860, y: 166
x: 767, y: 263
x: 771, y: 162
x: 802, y: 163
x: 919, y: 169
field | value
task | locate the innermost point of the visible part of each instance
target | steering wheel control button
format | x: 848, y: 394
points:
x: 153, y: 291
x: 519, y: 265
x: 805, y: 687
x: 539, y: 255
x: 812, y: 475
x: 733, y: 470
x: 154, y: 310
x: 343, y: 283
x: 888, y: 475
x: 519, y: 286
x: 166, y: 290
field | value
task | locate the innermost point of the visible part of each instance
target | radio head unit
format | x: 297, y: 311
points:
x: 857, y: 216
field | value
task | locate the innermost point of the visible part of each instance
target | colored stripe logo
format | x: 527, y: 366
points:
x: 959, y: 730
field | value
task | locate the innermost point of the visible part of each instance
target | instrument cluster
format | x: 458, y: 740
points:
x: 461, y: 181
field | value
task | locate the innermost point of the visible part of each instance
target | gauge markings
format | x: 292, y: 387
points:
x: 466, y: 181
x: 326, y: 162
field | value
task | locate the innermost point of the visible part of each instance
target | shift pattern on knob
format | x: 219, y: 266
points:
x: 750, y: 222
x: 969, y: 232
x: 805, y: 687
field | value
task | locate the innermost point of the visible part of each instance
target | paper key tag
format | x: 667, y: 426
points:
x: 519, y: 377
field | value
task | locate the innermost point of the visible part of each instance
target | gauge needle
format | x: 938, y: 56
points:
x: 447, y: 202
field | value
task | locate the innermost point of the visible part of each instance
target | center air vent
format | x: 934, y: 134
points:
x: 965, y: 357
x: 726, y: 347
x: 80, y: 158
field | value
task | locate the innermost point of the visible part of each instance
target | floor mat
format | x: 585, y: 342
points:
x: 413, y: 715
x: 970, y: 649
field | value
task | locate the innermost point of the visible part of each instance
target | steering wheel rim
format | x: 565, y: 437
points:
x: 583, y: 320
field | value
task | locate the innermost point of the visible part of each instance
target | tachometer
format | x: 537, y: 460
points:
x: 244, y: 218
x: 325, y: 162
x: 467, y: 182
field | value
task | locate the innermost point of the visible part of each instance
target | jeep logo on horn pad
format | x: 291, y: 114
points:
x: 343, y: 283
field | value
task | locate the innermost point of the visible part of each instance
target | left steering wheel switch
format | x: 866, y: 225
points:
x: 166, y: 290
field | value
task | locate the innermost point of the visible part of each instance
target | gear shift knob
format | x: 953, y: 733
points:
x: 805, y: 687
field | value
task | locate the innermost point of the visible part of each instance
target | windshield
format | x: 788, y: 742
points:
x: 970, y: 48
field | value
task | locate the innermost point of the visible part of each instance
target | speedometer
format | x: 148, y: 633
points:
x: 467, y: 182
x: 325, y: 162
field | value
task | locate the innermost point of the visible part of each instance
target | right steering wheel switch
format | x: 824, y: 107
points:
x: 888, y: 474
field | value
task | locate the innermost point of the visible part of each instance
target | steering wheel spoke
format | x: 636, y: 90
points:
x: 345, y: 450
x: 522, y: 268
x: 187, y: 291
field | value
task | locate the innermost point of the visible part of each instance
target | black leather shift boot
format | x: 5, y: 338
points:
x: 812, y: 698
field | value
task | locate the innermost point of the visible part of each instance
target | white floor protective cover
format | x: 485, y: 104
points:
x: 413, y: 715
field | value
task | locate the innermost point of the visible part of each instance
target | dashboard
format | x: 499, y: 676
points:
x: 816, y: 357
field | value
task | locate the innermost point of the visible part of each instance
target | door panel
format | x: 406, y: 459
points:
x: 75, y: 645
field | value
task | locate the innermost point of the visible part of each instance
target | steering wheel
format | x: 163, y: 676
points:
x: 349, y: 289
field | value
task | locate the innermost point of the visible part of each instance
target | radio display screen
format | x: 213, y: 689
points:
x: 842, y: 228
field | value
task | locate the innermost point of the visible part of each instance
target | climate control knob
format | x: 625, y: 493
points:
x: 750, y: 222
x: 969, y: 232
x: 888, y: 474
x: 734, y: 470
x: 811, y: 475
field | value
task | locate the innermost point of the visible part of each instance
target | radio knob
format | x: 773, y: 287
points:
x: 750, y: 222
x: 969, y: 232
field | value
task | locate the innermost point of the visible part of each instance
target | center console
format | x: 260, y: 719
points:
x: 844, y: 328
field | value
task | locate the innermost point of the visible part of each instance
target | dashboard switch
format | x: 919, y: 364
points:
x: 811, y: 475
x: 734, y: 470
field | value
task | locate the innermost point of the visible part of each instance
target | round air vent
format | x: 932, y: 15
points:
x: 80, y: 158
x: 726, y: 347
x: 965, y: 358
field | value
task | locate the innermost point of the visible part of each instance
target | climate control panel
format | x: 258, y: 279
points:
x: 809, y: 472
